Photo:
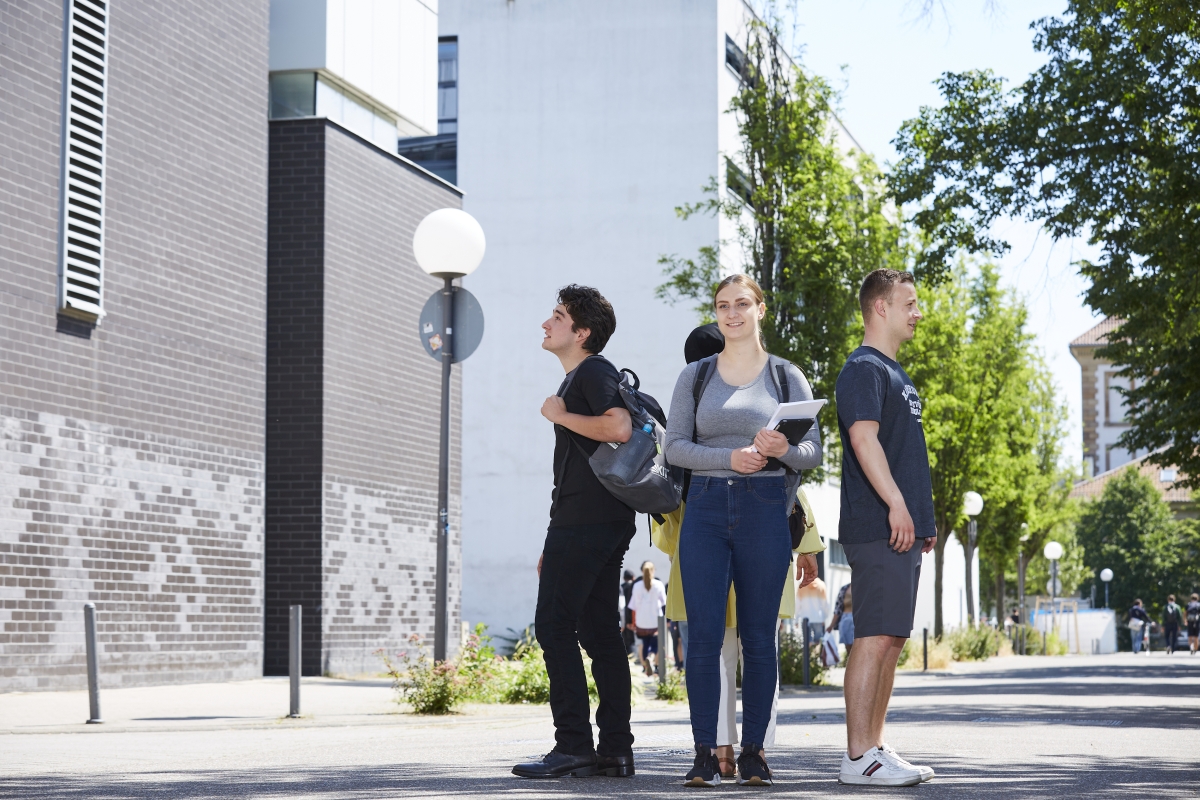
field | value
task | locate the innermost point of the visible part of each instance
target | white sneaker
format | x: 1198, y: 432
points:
x: 926, y: 772
x: 877, y: 768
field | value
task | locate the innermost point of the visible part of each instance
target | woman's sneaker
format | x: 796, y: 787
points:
x: 877, y: 768
x: 752, y: 768
x: 926, y: 772
x: 705, y: 770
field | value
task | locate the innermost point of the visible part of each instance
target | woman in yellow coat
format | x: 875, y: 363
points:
x: 666, y: 539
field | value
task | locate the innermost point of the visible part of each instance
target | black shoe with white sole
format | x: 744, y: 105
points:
x: 752, y: 769
x: 705, y: 770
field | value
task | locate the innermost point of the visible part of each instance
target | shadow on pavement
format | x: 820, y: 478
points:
x: 798, y: 773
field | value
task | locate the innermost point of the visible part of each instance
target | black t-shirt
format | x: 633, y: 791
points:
x: 582, y: 499
x: 872, y: 386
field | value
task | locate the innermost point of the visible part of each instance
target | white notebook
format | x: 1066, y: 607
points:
x: 804, y: 409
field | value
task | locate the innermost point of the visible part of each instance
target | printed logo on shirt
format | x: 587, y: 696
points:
x: 914, y: 401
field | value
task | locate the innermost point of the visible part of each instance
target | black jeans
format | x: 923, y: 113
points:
x: 577, y: 605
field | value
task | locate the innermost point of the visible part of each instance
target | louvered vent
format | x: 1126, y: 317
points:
x: 82, y: 269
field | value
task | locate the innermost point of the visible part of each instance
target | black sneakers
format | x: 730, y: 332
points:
x: 705, y: 770
x: 752, y: 767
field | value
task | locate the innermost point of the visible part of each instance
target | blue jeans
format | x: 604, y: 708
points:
x: 735, y: 529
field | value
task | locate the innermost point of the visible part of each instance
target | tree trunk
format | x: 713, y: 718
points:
x: 939, y: 560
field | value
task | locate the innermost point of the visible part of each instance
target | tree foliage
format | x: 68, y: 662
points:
x: 1130, y: 530
x: 1101, y: 141
x: 808, y: 219
x: 991, y: 422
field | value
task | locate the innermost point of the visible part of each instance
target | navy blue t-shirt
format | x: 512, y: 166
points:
x: 872, y: 386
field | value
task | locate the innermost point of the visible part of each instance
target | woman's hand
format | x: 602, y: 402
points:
x: 746, y: 461
x: 806, y: 569
x: 771, y: 443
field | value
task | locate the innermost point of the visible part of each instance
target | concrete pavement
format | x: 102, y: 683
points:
x: 1107, y: 726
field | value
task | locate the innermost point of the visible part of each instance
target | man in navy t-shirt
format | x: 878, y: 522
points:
x: 887, y: 506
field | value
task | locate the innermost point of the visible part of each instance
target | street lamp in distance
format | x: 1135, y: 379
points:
x: 1106, y: 576
x: 448, y: 244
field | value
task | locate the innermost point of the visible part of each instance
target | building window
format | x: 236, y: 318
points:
x: 735, y: 58
x: 81, y: 270
x: 1114, y: 401
x: 837, y: 556
x: 1167, y: 475
x: 293, y: 94
x: 738, y: 183
x: 448, y: 85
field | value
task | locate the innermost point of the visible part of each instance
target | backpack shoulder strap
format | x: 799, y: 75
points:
x: 705, y: 368
x: 779, y: 378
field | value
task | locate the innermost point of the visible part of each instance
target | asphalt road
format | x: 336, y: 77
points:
x: 1109, y: 726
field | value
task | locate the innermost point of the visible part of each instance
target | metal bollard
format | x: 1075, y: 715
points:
x: 807, y: 644
x: 93, y: 663
x: 662, y: 649
x: 294, y: 634
x: 924, y: 649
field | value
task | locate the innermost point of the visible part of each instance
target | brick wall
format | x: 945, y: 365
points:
x: 377, y: 434
x: 295, y: 375
x: 132, y: 452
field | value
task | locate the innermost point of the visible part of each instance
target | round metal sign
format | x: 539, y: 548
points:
x: 468, y: 325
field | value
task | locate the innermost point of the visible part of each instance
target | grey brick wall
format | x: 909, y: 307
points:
x: 379, y: 394
x: 132, y: 457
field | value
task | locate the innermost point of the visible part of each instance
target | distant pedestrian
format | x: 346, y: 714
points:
x: 846, y: 623
x: 886, y: 520
x: 1139, y: 622
x: 627, y: 634
x: 837, y: 608
x: 1172, y: 620
x: 649, y: 601
x: 1193, y: 623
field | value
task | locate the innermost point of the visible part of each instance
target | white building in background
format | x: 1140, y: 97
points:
x: 369, y: 65
x: 1103, y: 404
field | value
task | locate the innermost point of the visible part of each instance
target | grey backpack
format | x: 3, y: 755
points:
x: 636, y: 472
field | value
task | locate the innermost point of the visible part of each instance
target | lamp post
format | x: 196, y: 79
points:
x: 448, y: 244
x: 1106, y: 576
x: 1053, y: 551
x: 972, y: 505
x: 1021, y: 584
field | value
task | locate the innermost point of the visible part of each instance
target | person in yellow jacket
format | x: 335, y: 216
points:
x: 666, y: 538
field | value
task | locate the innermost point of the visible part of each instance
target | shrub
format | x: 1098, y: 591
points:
x: 791, y: 661
x: 429, y: 687
x: 481, y: 670
x: 974, y: 643
x: 673, y: 689
x: 1054, y: 646
x: 530, y: 684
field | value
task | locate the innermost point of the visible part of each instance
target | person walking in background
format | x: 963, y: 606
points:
x: 1172, y: 620
x: 812, y: 603
x: 1139, y: 621
x: 1193, y: 623
x: 579, y: 572
x: 627, y: 634
x: 649, y: 601
x: 735, y: 529
x: 846, y: 623
x: 838, y: 604
x: 887, y: 506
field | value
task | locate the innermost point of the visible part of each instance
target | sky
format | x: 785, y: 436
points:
x: 884, y: 60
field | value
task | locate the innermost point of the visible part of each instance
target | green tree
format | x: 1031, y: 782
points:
x: 809, y: 219
x: 988, y: 413
x: 1100, y: 141
x: 1130, y: 529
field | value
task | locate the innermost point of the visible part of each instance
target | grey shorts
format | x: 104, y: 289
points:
x: 884, y: 587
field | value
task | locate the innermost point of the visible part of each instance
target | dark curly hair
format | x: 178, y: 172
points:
x: 589, y: 309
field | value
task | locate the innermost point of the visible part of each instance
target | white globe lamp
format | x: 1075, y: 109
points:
x: 449, y: 243
x: 1053, y: 551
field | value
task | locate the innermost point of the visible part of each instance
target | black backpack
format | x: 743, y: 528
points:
x: 636, y: 472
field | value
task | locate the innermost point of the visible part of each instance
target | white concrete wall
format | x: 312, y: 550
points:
x: 386, y: 49
x: 581, y: 127
x: 1088, y: 631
